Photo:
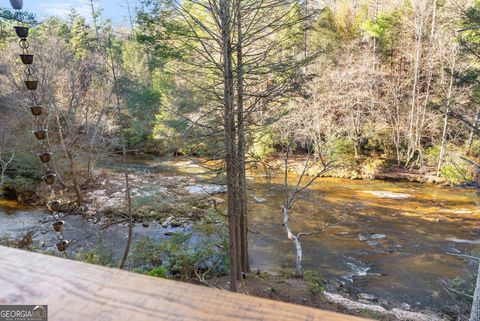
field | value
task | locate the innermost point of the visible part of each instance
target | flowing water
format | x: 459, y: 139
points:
x: 389, y: 239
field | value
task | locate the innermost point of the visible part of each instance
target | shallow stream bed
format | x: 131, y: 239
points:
x: 388, y: 239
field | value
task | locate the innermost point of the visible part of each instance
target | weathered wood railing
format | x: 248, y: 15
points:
x: 78, y: 291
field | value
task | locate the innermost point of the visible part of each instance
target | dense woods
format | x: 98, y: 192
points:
x: 367, y: 83
x: 358, y: 89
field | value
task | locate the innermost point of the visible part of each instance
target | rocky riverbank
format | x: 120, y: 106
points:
x: 171, y: 200
x: 372, y: 169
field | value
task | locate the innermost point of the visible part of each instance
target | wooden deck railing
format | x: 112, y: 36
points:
x: 78, y: 291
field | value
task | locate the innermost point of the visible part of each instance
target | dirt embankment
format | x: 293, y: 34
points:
x: 304, y: 292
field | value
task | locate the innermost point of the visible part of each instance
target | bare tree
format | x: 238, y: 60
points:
x: 443, y: 144
x: 292, y: 194
x: 243, y: 65
x: 110, y: 60
x: 475, y: 312
x: 8, y: 144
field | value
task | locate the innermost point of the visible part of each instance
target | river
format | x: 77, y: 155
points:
x: 386, y: 238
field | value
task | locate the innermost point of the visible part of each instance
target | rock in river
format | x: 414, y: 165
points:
x: 362, y: 238
x: 168, y: 221
x: 377, y: 236
x: 206, y: 189
x: 367, y: 296
x: 387, y: 194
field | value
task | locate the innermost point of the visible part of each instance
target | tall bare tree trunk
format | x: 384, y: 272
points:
x: 441, y: 156
x: 71, y: 164
x: 413, y: 129
x: 76, y: 186
x: 475, y: 312
x: 376, y: 4
x: 434, y: 19
x: 305, y: 35
x: 110, y: 60
x: 242, y: 181
x: 413, y: 109
x: 443, y: 145
x: 92, y: 144
x: 230, y: 152
x: 472, y: 131
x: 125, y: 159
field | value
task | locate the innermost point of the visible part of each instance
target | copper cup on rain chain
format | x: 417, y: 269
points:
x: 54, y: 205
x: 40, y: 134
x: 58, y: 226
x: 27, y: 59
x: 49, y: 178
x: 31, y: 84
x: 62, y: 245
x: 22, y: 32
x: 36, y: 110
x: 45, y: 157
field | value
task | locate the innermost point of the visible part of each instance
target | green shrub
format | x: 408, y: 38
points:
x: 51, y: 252
x: 454, y: 169
x: 264, y: 145
x: 146, y: 253
x: 431, y: 155
x: 206, y: 253
x: 213, y: 245
x: 23, y: 175
x: 143, y: 199
x: 475, y: 148
x: 184, y: 255
x: 371, y: 167
x: 5, y: 240
x: 457, y: 173
x: 100, y: 255
x: 181, y: 257
x: 464, y: 289
x: 461, y: 289
x: 167, y: 132
x: 20, y: 186
x: 141, y: 103
x: 372, y: 314
x: 378, y: 141
x: 159, y: 272
x: 317, y: 284
x: 287, y: 272
x: 342, y: 150
x: 26, y: 165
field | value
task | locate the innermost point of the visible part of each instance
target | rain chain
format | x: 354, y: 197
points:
x: 40, y: 130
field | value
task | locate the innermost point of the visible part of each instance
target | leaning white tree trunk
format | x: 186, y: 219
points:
x: 296, y: 242
x: 298, y: 257
x: 475, y: 313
